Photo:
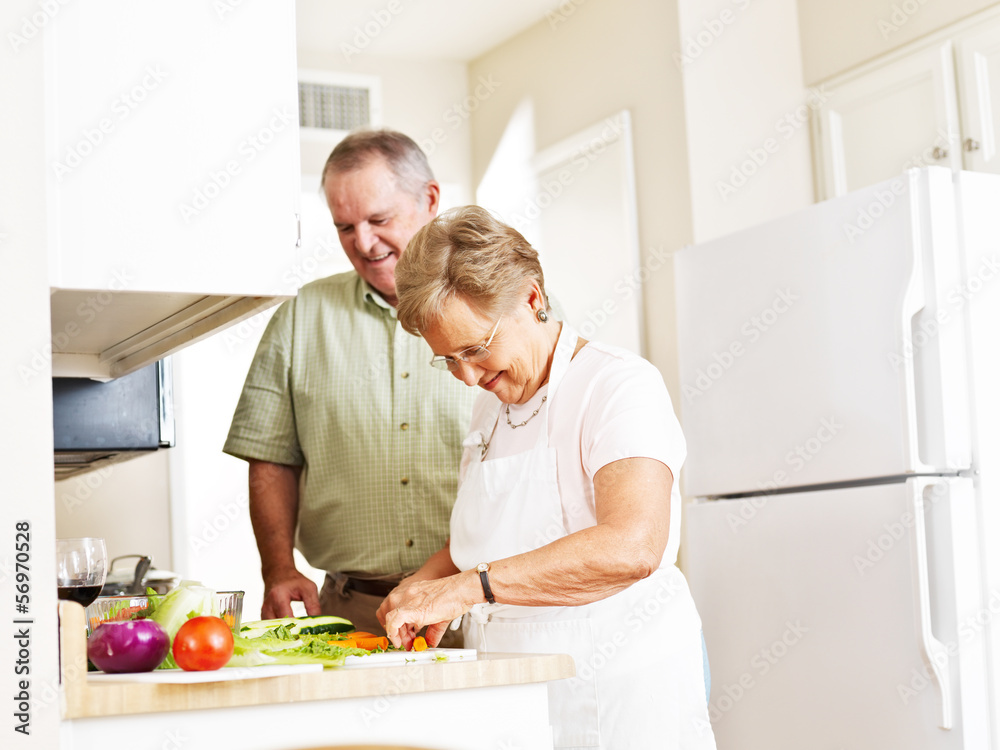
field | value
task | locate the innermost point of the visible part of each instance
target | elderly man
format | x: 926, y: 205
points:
x: 353, y: 440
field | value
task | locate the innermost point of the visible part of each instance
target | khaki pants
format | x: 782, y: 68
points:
x: 360, y: 608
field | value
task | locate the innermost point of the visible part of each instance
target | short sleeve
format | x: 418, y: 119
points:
x: 263, y: 426
x: 630, y: 415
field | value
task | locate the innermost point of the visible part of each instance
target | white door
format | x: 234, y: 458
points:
x: 979, y: 91
x: 575, y: 203
x: 588, y: 235
x: 842, y: 618
x: 824, y: 346
x: 902, y: 115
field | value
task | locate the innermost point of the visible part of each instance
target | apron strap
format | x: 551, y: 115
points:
x: 563, y: 355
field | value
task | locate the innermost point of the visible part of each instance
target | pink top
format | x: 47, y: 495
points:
x: 611, y: 404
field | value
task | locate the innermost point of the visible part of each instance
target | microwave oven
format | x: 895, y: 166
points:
x: 96, y: 423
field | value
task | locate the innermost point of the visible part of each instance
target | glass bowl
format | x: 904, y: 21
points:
x: 122, y: 608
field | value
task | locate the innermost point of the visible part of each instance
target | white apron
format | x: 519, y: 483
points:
x: 638, y: 655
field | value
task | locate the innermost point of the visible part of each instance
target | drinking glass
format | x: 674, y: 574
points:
x: 81, y: 567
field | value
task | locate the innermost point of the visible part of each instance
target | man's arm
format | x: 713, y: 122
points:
x: 274, y: 509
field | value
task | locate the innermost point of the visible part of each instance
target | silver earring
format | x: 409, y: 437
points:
x: 542, y: 315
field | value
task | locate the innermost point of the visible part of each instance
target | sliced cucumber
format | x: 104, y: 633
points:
x: 319, y: 624
x: 323, y: 624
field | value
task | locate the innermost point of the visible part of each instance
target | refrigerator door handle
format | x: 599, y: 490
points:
x: 914, y: 302
x: 932, y: 651
x: 933, y: 361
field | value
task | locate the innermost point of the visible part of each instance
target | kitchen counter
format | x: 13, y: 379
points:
x: 371, y: 703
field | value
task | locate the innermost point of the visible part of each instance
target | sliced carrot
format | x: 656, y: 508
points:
x: 419, y: 643
x: 351, y: 634
x: 366, y: 641
x: 373, y: 643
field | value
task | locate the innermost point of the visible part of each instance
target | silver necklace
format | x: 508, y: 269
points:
x: 533, y: 414
x: 484, y: 446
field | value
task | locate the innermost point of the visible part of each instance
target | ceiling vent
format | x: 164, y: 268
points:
x: 333, y: 104
x: 333, y: 107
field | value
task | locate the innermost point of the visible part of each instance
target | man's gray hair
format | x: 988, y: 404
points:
x: 404, y: 157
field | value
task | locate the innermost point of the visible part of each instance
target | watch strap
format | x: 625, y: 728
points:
x: 485, y: 580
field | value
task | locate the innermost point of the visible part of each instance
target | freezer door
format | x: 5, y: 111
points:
x: 822, y: 347
x: 849, y: 618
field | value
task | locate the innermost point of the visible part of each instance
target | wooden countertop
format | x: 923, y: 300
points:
x: 86, y: 699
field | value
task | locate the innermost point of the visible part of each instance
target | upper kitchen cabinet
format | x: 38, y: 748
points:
x: 898, y: 115
x: 933, y: 102
x: 173, y: 183
x: 978, y: 56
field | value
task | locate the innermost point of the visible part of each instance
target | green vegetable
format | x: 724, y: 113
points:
x: 318, y: 625
x: 190, y: 599
x: 276, y: 647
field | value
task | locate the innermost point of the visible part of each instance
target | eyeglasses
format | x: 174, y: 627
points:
x: 473, y: 354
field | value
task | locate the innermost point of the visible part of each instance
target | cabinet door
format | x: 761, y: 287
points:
x: 979, y: 90
x: 173, y: 138
x: 898, y: 116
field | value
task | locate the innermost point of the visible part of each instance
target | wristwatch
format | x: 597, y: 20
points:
x: 483, y: 568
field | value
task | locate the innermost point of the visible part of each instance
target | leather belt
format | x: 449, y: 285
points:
x: 371, y: 587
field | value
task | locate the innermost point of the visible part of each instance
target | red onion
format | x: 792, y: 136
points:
x: 134, y: 646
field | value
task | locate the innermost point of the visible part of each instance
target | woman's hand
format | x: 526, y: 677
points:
x: 435, y: 603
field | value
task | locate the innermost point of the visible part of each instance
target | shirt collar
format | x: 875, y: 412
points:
x: 371, y: 296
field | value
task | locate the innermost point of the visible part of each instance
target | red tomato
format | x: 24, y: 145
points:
x: 203, y: 644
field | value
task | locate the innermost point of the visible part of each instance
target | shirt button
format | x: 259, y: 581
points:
x: 404, y: 375
x: 404, y: 426
x: 404, y: 480
x: 409, y: 542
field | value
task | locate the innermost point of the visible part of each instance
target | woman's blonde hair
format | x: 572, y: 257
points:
x: 465, y: 252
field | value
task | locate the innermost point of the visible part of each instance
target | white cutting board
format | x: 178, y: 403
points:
x: 386, y: 659
x: 393, y: 658
x: 171, y: 676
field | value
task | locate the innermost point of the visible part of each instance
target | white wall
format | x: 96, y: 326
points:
x: 127, y: 503
x: 581, y: 65
x: 422, y: 98
x: 842, y: 34
x: 747, y: 110
x: 26, y: 388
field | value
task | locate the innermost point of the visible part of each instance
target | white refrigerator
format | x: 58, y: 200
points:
x: 840, y: 370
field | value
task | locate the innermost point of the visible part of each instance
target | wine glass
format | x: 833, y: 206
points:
x: 81, y: 566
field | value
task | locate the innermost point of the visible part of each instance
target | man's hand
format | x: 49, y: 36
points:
x: 279, y: 594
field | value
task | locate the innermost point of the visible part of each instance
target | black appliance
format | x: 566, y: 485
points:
x: 96, y: 423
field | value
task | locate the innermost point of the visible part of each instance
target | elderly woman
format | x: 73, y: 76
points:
x: 564, y: 532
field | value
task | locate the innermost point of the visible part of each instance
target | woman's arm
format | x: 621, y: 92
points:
x: 632, y: 498
x: 438, y: 565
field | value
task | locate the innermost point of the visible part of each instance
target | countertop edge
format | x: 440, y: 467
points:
x: 86, y: 700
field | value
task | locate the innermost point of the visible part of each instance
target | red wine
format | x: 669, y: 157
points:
x: 84, y: 595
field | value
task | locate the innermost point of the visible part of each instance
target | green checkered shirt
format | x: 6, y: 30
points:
x: 337, y: 386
